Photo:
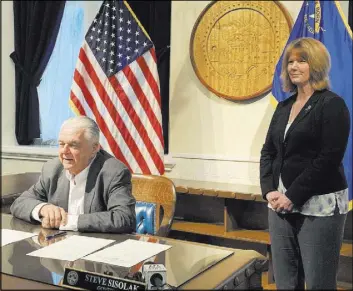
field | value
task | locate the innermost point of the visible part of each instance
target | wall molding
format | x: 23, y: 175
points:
x: 216, y: 158
x: 45, y: 153
x: 29, y: 153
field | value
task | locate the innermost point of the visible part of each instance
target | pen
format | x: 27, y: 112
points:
x: 59, y: 233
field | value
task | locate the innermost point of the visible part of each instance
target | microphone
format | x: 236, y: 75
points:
x: 156, y: 280
x: 155, y: 276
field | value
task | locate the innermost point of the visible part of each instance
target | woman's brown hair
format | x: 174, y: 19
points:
x: 318, y: 58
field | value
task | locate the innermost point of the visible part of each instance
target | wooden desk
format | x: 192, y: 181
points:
x: 243, y: 267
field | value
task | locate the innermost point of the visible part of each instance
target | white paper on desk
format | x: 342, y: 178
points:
x: 71, y: 248
x: 127, y: 253
x: 9, y: 236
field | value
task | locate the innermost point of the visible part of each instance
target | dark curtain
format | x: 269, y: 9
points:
x: 155, y: 18
x: 36, y: 25
x: 350, y: 14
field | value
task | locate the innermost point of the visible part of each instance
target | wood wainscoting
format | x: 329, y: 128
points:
x: 236, y: 216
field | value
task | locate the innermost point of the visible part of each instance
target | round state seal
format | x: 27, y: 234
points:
x: 72, y: 278
x: 235, y: 46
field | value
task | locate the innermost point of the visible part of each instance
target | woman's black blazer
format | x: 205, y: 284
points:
x: 310, y: 157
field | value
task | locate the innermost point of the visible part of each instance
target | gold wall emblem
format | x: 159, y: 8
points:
x: 235, y: 46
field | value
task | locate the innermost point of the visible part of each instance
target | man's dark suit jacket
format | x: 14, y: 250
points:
x: 108, y: 202
x: 309, y: 159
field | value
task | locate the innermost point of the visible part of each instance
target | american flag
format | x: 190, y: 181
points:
x: 116, y: 83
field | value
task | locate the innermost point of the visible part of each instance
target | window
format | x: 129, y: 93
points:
x: 54, y: 89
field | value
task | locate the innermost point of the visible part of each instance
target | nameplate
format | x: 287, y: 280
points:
x: 83, y: 280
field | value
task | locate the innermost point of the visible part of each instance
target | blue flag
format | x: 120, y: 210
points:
x: 324, y: 21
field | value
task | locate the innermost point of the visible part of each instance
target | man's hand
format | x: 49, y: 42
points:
x: 282, y: 203
x: 52, y: 216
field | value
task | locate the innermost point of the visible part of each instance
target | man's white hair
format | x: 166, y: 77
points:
x: 91, y: 129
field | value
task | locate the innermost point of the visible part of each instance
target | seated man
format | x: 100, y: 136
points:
x: 84, y: 189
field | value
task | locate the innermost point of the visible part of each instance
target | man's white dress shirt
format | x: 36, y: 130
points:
x: 76, y: 199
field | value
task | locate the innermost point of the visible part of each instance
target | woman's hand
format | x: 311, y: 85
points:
x: 273, y: 196
x: 283, y: 203
x: 279, y: 201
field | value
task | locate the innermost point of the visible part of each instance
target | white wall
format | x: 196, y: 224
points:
x: 7, y: 75
x: 210, y: 138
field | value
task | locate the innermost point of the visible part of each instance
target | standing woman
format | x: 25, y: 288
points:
x: 301, y: 171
